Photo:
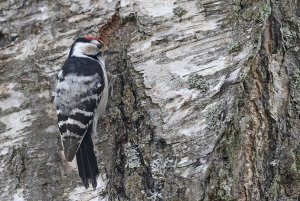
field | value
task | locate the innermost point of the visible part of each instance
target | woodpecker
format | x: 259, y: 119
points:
x: 80, y: 97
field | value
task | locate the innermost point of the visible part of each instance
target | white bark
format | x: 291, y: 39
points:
x: 207, y: 107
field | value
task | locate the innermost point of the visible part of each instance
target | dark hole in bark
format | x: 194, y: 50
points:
x: 2, y: 40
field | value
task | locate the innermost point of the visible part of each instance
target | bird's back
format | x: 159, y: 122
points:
x: 78, y: 93
x: 80, y: 89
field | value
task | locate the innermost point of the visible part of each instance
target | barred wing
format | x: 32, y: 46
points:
x: 77, y: 98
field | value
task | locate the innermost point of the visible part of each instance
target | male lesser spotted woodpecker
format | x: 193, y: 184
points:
x: 80, y: 97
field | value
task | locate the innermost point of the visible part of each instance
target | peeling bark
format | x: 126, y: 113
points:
x: 204, y: 99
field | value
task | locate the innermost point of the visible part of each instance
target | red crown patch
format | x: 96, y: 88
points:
x: 90, y: 38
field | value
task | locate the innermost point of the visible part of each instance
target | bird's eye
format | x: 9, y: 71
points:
x: 99, y: 46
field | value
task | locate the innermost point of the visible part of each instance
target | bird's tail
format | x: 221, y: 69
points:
x: 87, y: 162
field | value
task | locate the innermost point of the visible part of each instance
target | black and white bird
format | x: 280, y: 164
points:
x: 80, y: 97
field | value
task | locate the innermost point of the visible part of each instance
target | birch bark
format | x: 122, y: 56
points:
x: 204, y: 99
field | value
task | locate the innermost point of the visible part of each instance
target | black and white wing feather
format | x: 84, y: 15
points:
x: 78, y: 94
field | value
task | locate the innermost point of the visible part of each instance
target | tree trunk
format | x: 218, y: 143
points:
x: 204, y: 99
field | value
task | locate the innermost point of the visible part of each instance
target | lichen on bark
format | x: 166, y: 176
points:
x: 204, y: 99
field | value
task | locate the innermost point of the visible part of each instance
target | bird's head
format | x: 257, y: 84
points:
x: 86, y: 46
x: 90, y: 47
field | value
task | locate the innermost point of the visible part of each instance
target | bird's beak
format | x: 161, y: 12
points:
x: 107, y: 53
x: 110, y: 52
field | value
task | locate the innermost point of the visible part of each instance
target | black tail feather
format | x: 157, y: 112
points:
x: 87, y: 162
x: 81, y: 161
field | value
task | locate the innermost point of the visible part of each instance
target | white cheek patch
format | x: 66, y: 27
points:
x: 83, y: 49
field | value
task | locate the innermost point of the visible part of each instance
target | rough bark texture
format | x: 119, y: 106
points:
x: 204, y: 99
